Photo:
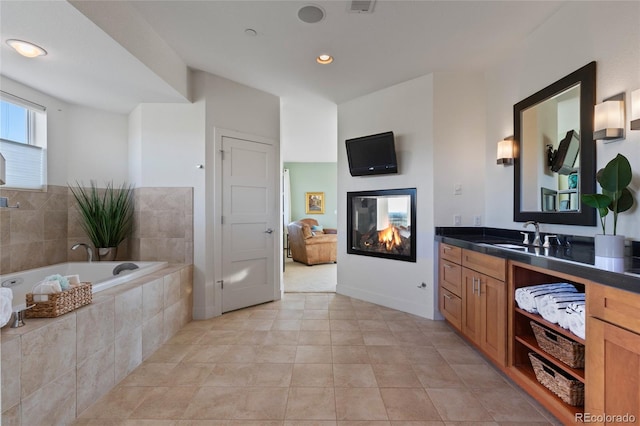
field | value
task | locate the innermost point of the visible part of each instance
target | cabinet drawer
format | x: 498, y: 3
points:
x: 489, y: 265
x: 451, y: 277
x: 451, y: 307
x: 615, y: 306
x: 451, y: 253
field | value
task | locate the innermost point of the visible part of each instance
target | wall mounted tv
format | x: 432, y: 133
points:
x: 372, y: 155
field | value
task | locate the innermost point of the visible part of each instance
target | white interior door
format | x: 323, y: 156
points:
x: 249, y: 223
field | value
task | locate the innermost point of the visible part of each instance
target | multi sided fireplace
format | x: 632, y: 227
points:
x: 382, y: 223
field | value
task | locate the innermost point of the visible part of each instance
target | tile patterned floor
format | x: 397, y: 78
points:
x: 315, y: 359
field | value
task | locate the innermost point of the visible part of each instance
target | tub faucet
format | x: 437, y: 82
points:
x: 89, y: 250
x: 17, y: 317
x: 536, y: 239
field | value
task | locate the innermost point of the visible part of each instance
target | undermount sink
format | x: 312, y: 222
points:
x: 510, y: 246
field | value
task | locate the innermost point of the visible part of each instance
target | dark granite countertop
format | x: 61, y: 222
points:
x: 574, y: 256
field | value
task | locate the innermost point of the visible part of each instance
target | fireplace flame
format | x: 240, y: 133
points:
x: 390, y: 237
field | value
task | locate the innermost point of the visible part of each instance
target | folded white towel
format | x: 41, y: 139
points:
x: 43, y: 288
x: 6, y: 296
x: 576, y: 315
x: 73, y: 279
x: 526, y: 296
x: 553, y: 306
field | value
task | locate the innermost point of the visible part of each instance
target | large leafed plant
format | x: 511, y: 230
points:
x: 616, y: 197
x: 106, y: 213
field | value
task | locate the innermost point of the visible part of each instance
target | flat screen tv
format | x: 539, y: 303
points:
x: 372, y: 155
x: 565, y: 157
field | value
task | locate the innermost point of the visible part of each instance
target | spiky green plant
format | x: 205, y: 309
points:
x: 107, y: 213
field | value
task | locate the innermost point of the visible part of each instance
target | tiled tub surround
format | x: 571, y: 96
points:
x: 163, y: 225
x: 43, y: 229
x: 53, y: 369
x: 35, y: 234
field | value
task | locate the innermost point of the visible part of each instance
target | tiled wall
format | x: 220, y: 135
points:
x: 35, y: 234
x: 43, y: 229
x: 163, y: 225
x: 53, y: 369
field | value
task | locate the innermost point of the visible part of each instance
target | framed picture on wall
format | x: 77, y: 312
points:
x: 314, y: 202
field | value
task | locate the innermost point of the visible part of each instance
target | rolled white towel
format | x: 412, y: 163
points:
x: 6, y: 296
x: 577, y: 323
x: 553, y: 306
x: 43, y: 288
x: 564, y: 319
x: 526, y: 296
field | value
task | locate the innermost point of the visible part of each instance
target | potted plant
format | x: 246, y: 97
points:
x: 616, y: 197
x: 106, y: 215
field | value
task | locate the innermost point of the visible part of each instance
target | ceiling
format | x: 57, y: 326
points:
x: 399, y: 41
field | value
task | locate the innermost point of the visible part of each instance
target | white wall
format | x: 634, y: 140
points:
x: 135, y: 145
x: 82, y: 143
x: 459, y: 120
x: 97, y: 146
x: 555, y: 49
x: 172, y: 138
x: 407, y: 110
x: 309, y: 130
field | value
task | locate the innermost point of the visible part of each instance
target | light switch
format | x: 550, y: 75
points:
x: 457, y: 189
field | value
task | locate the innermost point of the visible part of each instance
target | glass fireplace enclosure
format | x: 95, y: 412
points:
x: 382, y: 223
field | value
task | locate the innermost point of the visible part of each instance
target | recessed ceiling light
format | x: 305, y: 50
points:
x: 324, y: 59
x: 251, y: 32
x: 26, y: 49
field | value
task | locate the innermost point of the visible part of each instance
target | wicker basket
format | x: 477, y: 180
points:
x: 562, y: 348
x: 60, y: 303
x: 568, y: 388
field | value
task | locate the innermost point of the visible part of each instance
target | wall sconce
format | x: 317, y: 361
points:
x: 609, y: 119
x: 505, y: 151
x: 635, y: 110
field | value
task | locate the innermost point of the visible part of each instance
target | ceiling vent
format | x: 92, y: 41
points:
x: 361, y: 6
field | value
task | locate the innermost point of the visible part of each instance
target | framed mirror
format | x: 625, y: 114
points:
x: 555, y: 152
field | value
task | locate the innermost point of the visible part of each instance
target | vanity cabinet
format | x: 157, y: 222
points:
x: 484, y: 304
x: 449, y: 286
x: 613, y: 355
x: 472, y: 298
x: 477, y: 296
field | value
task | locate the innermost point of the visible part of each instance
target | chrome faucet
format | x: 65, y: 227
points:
x: 17, y: 317
x: 536, y: 239
x: 89, y: 250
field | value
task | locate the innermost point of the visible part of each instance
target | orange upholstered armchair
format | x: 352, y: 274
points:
x: 312, y: 246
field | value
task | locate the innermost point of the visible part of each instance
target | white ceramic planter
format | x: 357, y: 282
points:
x: 609, y: 246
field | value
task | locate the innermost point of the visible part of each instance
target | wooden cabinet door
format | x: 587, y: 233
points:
x: 450, y: 307
x: 451, y: 277
x: 613, y: 371
x: 493, y: 318
x: 470, y: 305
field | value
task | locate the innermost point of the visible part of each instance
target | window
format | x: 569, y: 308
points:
x: 23, y: 142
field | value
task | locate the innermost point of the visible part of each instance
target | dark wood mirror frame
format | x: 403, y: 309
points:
x: 586, y: 216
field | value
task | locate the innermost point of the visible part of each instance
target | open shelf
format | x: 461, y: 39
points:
x: 526, y: 377
x: 531, y: 343
x: 523, y: 340
x: 554, y: 327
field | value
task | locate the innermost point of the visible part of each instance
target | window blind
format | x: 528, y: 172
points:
x: 24, y: 167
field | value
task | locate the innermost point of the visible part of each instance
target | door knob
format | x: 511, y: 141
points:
x: 269, y: 231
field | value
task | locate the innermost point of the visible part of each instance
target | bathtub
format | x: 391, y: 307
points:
x: 100, y: 274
